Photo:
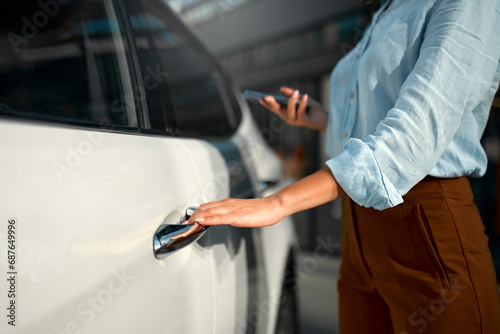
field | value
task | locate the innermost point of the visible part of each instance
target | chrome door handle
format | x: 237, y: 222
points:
x: 167, y: 238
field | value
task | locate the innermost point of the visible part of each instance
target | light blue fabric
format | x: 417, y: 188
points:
x: 413, y: 97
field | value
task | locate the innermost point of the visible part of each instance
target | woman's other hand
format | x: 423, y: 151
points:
x: 315, y: 119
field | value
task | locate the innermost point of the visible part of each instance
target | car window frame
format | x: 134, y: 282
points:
x: 8, y: 113
x: 136, y: 74
x: 223, y: 80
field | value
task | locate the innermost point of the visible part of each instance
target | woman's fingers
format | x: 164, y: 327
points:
x: 213, y: 209
x: 292, y: 114
x: 227, y: 219
x: 192, y: 230
x: 215, y: 217
x: 291, y: 110
x: 287, y: 91
x: 301, y: 111
x: 217, y: 208
x: 270, y: 103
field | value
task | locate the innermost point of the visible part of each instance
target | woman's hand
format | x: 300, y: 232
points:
x: 256, y: 212
x: 311, y: 191
x: 315, y: 119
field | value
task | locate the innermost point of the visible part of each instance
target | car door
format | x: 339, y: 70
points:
x: 194, y: 100
x: 84, y: 186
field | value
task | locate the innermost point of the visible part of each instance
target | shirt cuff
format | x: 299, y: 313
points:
x: 358, y: 172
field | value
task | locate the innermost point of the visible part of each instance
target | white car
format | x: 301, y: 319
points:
x: 115, y: 123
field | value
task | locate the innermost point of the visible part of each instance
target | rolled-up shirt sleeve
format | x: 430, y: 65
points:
x: 456, y: 65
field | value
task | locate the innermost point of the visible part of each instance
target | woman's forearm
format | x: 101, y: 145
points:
x: 314, y: 190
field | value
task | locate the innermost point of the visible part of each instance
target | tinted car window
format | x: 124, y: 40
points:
x: 183, y: 86
x: 65, y: 60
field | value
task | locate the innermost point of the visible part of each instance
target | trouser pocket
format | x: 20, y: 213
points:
x: 430, y: 244
x: 411, y: 245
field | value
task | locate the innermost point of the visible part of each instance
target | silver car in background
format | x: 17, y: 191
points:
x: 115, y: 123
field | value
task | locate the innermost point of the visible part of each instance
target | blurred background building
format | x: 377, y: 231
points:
x: 265, y: 44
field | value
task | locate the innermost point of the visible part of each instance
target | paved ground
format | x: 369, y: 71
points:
x: 318, y: 294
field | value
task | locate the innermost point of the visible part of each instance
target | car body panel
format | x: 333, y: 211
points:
x: 87, y: 205
x: 88, y: 198
x: 81, y: 231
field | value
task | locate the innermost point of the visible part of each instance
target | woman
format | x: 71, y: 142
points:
x: 408, y: 106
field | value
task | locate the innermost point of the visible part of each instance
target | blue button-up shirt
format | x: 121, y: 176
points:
x: 413, y: 98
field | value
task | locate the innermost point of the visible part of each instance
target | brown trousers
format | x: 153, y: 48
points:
x: 423, y: 266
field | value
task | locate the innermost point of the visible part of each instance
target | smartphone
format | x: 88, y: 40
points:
x: 254, y: 96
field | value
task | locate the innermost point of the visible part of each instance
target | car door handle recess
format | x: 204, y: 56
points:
x: 165, y: 242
